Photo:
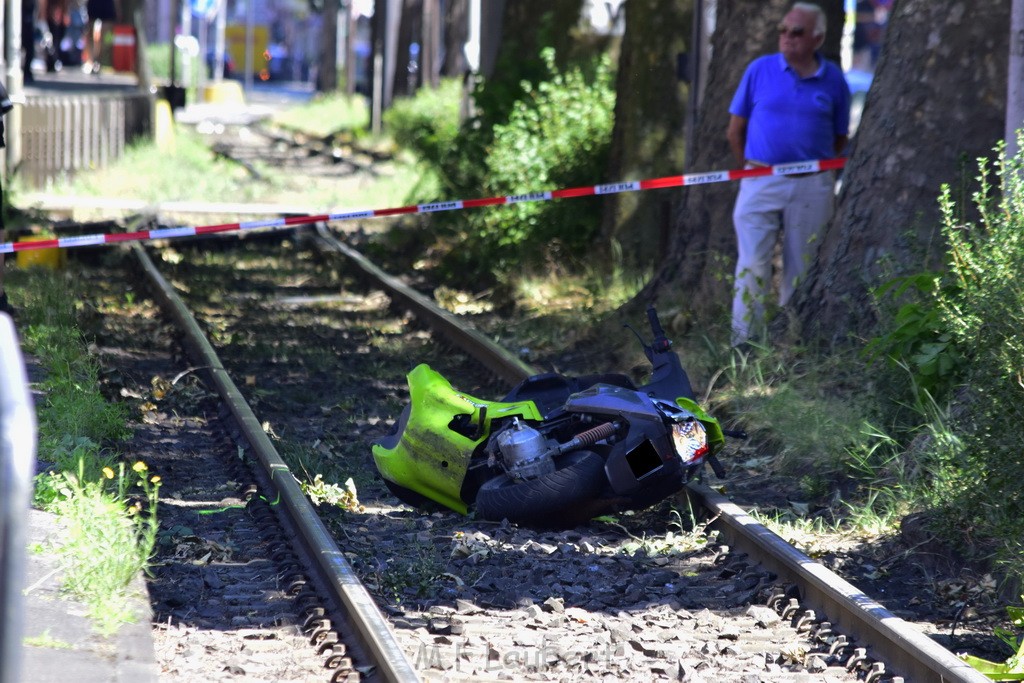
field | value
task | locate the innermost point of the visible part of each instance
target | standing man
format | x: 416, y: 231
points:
x: 790, y: 106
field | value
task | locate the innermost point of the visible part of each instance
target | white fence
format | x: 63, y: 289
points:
x: 68, y: 134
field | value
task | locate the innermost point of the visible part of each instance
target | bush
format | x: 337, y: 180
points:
x: 557, y: 136
x: 984, y: 311
x: 428, y: 123
x: 958, y: 341
x: 919, y: 341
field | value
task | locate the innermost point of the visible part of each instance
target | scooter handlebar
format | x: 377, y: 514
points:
x: 652, y: 317
x: 661, y: 342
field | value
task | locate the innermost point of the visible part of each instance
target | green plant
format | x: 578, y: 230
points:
x: 1013, y: 668
x: 109, y: 512
x: 110, y: 533
x: 415, y: 574
x: 67, y: 454
x: 428, y: 123
x: 983, y: 308
x: 919, y: 339
x: 557, y: 135
x: 321, y: 492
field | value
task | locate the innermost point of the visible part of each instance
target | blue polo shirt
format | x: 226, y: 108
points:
x: 791, y: 118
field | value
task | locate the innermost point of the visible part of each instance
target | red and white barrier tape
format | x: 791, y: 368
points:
x: 610, y: 188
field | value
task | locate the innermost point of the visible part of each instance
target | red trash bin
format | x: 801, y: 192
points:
x: 123, y: 54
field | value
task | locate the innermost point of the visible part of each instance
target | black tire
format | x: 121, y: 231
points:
x: 565, y: 498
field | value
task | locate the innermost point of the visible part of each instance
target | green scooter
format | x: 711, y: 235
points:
x: 556, y: 451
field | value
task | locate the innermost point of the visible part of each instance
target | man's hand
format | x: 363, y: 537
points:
x: 737, y: 136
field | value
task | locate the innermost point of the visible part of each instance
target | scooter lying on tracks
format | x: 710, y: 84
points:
x: 557, y: 450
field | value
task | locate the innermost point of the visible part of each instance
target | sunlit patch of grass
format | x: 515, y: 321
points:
x: 557, y: 307
x: 789, y: 399
x: 880, y: 514
x: 683, y: 535
x: 816, y: 536
x: 593, y: 290
x: 191, y: 172
x: 326, y: 114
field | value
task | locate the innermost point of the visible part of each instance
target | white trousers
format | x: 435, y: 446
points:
x: 802, y: 208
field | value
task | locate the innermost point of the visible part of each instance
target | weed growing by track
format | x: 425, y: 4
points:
x: 107, y: 510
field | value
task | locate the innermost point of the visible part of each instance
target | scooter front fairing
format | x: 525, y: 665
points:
x: 435, y: 438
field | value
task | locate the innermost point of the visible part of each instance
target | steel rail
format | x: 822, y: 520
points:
x: 904, y: 649
x: 368, y: 625
x: 897, y: 643
x: 491, y: 355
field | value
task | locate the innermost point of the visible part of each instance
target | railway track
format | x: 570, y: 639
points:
x: 847, y: 614
x: 251, y: 583
x: 255, y: 580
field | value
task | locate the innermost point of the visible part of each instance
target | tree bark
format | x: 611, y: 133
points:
x: 1015, y: 78
x: 327, y: 66
x: 937, y: 104
x: 456, y: 33
x: 407, y: 66
x: 650, y: 111
x: 530, y: 25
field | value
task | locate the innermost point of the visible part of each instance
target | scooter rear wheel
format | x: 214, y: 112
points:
x: 565, y: 498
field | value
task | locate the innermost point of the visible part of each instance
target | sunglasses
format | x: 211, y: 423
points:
x: 794, y: 31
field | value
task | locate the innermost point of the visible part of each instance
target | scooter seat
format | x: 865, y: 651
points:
x: 551, y: 390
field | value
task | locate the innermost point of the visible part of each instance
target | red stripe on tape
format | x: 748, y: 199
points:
x: 396, y: 212
x: 573, y: 192
x: 659, y: 183
x: 489, y: 201
x: 35, y: 244
x: 223, y: 227
x: 126, y: 236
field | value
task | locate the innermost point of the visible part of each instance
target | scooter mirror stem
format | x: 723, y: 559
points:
x: 647, y: 349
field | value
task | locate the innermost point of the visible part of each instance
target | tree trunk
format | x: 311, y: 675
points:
x: 530, y: 25
x: 327, y: 67
x: 1015, y: 78
x: 455, y: 35
x: 936, y: 105
x: 407, y: 64
x: 650, y: 111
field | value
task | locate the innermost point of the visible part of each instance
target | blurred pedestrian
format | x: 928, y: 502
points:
x: 5, y: 106
x: 793, y: 105
x: 56, y: 14
x: 29, y: 8
x: 869, y: 32
x: 100, y: 13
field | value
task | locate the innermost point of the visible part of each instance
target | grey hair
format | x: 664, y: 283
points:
x: 819, y: 15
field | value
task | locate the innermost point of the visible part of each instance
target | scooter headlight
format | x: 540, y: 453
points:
x: 690, y: 440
